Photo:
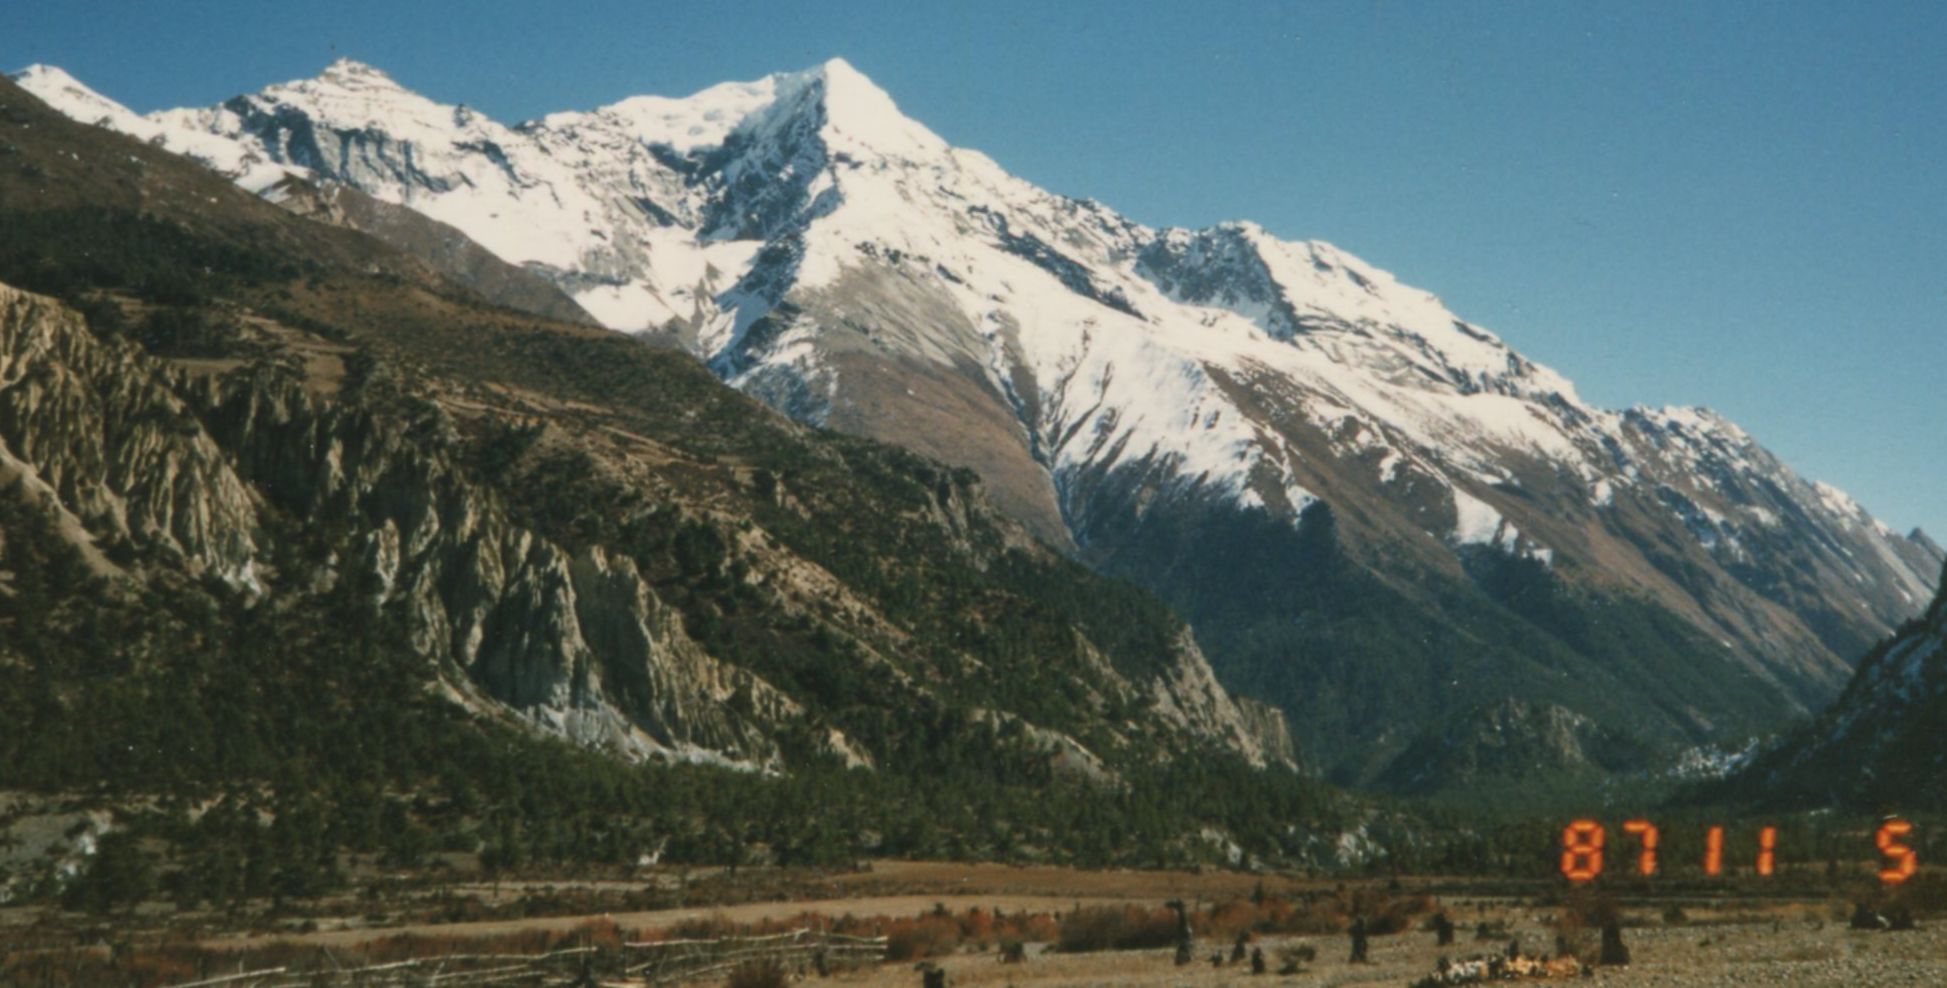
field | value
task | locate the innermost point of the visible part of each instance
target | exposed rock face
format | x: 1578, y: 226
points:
x: 119, y: 451
x: 1267, y: 726
x: 1188, y: 694
x: 179, y: 469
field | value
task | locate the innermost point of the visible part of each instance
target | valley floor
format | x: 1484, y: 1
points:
x: 1678, y: 937
x: 1718, y: 956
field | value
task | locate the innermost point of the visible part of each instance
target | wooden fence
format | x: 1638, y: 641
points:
x: 673, y: 961
x: 653, y: 963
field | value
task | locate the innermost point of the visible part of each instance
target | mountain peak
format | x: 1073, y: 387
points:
x: 846, y: 85
x: 52, y: 83
x: 353, y: 74
x: 857, y: 113
x: 351, y: 95
x: 837, y: 66
x: 346, y: 84
x: 42, y: 73
x: 55, y: 87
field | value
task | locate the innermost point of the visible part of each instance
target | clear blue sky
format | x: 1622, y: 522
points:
x: 1736, y: 205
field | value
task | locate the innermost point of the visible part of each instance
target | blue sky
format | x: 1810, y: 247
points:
x: 1736, y: 205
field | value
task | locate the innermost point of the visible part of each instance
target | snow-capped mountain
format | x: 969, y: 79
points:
x: 1167, y: 403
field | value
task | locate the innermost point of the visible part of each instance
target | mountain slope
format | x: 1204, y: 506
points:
x: 1156, y: 402
x: 1514, y: 740
x: 569, y: 532
x: 1880, y: 744
x: 446, y: 249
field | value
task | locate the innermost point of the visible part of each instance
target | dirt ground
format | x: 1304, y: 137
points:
x: 1742, y: 954
x: 1733, y: 942
x: 1717, y: 938
x: 1058, y: 881
x: 891, y: 905
x: 888, y: 888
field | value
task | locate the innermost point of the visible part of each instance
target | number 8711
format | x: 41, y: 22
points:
x: 1584, y: 843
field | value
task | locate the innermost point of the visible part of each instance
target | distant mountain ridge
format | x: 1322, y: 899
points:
x: 1375, y: 514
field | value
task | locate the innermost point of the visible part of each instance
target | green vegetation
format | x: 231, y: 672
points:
x: 64, y: 252
x: 1288, y: 616
x: 262, y: 740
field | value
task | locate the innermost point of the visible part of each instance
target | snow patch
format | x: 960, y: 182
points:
x: 1476, y: 521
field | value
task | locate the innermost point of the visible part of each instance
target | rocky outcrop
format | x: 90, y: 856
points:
x: 1266, y: 726
x: 1187, y: 693
x: 120, y: 452
x: 171, y: 470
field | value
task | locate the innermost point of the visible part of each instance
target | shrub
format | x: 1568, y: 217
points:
x: 715, y: 926
x: 601, y: 933
x: 1293, y: 957
x: 1582, y: 914
x: 977, y: 928
x: 766, y: 973
x: 1925, y: 895
x: 1116, y: 928
x: 925, y: 936
x: 119, y: 876
x: 1040, y: 928
x: 1324, y: 914
x: 1226, y: 921
x: 1395, y: 914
